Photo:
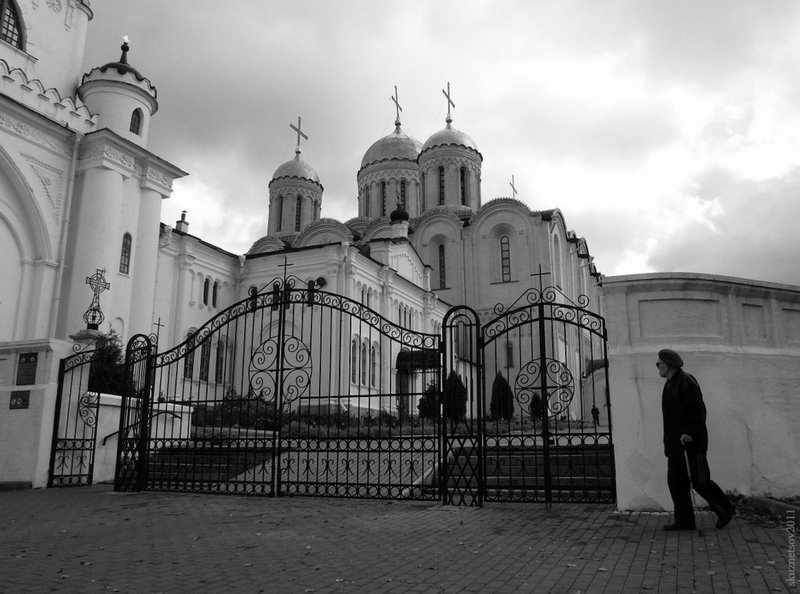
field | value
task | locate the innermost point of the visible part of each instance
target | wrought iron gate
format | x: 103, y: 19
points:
x: 292, y: 391
x: 537, y: 420
x: 75, y: 424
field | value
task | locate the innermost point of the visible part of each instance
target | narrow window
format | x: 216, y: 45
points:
x: 366, y: 201
x: 136, y: 122
x: 205, y: 360
x: 464, y: 186
x: 10, y: 30
x: 298, y: 213
x: 125, y: 254
x: 505, y: 258
x: 354, y: 361
x: 403, y: 194
x: 219, y: 363
x: 364, y: 366
x: 279, y: 226
x: 206, y: 286
x: 442, y: 275
x: 373, y: 374
x: 423, y: 193
x: 214, y: 292
x: 188, y: 362
x: 557, y: 261
x: 441, y: 186
x: 509, y: 354
x: 383, y: 199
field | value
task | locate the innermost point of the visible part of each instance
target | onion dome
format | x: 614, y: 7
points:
x: 298, y: 168
x: 398, y: 214
x: 450, y: 136
x: 397, y: 145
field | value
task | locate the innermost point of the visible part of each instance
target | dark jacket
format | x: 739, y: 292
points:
x: 684, y: 412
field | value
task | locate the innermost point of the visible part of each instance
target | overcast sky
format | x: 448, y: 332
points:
x: 668, y: 133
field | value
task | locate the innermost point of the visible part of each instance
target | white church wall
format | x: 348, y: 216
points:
x: 741, y: 339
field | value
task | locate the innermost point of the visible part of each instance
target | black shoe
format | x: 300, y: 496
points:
x: 724, y: 519
x: 671, y: 527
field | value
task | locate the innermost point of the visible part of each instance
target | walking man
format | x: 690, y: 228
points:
x: 685, y: 434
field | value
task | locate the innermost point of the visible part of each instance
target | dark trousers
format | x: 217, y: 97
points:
x: 680, y: 487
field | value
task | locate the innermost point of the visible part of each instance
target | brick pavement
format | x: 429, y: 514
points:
x: 91, y: 539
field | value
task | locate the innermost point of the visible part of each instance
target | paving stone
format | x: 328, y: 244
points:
x: 90, y: 539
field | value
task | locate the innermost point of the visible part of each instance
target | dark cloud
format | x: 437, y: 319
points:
x: 754, y: 235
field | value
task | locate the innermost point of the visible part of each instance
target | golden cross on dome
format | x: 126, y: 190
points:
x: 449, y: 100
x: 299, y: 131
x: 395, y: 100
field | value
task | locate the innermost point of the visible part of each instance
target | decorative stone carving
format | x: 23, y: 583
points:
x: 52, y: 180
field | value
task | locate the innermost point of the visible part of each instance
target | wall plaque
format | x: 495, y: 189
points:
x: 26, y: 368
x: 19, y: 399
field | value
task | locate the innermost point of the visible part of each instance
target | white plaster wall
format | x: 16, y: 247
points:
x: 26, y: 434
x: 741, y: 339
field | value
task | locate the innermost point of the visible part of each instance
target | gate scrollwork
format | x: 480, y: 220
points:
x: 559, y: 382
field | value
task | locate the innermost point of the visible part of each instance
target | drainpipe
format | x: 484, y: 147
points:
x: 62, y: 247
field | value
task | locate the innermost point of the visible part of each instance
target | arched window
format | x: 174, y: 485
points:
x: 125, y: 254
x: 136, y: 121
x: 383, y: 199
x: 403, y: 194
x: 10, y: 27
x: 354, y: 361
x: 505, y: 258
x: 364, y: 366
x: 219, y: 363
x: 463, y: 185
x: 442, y: 273
x: 205, y: 360
x: 366, y: 201
x: 298, y: 210
x: 279, y: 213
x: 206, y: 287
x: 441, y: 186
x: 188, y: 361
x: 423, y: 193
x: 373, y: 373
x: 214, y: 291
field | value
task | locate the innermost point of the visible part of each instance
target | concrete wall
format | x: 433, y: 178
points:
x: 741, y: 339
x: 27, y: 409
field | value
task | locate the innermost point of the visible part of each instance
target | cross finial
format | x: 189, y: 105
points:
x: 449, y: 102
x: 397, y: 107
x: 299, y: 133
x: 513, y: 187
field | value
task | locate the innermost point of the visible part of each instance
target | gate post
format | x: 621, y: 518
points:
x: 548, y: 479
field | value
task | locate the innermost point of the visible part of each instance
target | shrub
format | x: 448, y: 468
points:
x: 502, y: 404
x: 455, y: 397
x: 107, y: 369
x: 428, y: 406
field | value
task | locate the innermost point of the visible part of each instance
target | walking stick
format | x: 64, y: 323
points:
x: 691, y: 489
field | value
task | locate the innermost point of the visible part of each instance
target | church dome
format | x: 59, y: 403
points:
x: 450, y: 136
x: 298, y: 168
x: 397, y: 145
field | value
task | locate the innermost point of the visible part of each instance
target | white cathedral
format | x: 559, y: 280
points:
x: 80, y: 192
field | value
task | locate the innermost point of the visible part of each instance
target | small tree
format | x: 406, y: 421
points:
x: 536, y: 408
x: 107, y: 369
x: 455, y: 397
x: 502, y: 404
x: 428, y: 406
